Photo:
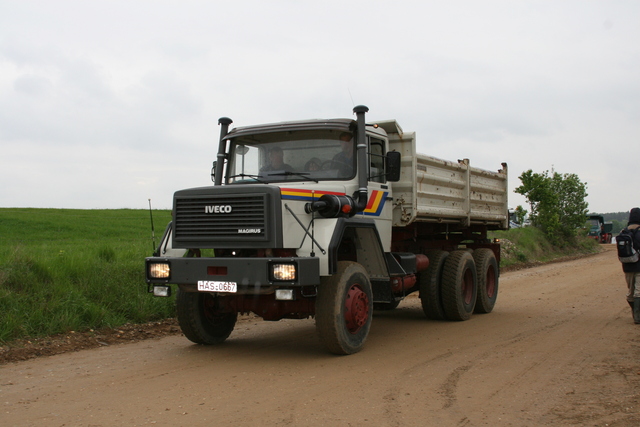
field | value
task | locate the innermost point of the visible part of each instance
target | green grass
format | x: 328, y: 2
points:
x: 73, y: 270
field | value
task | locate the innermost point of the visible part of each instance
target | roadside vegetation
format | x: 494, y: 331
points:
x: 557, y: 221
x: 64, y: 270
x: 557, y: 202
x: 526, y: 246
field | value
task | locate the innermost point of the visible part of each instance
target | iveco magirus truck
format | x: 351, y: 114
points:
x: 329, y: 219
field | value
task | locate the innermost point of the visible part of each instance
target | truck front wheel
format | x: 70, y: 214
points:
x: 459, y: 285
x: 201, y: 319
x: 344, y: 307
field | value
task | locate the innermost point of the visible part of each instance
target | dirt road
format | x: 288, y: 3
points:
x: 560, y: 348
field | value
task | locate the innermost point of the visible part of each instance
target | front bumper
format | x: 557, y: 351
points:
x: 250, y: 274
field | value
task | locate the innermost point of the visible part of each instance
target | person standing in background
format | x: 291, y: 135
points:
x: 632, y: 269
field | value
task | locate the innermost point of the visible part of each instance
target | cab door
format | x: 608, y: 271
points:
x: 379, y: 203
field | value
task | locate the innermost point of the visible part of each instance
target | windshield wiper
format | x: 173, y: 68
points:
x: 300, y: 174
x: 246, y: 175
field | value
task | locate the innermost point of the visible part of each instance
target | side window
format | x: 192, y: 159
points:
x: 376, y: 160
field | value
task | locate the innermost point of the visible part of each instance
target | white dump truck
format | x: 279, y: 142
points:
x: 330, y: 219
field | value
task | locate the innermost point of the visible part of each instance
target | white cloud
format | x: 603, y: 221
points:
x: 132, y: 90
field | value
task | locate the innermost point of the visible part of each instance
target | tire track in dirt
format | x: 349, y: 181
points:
x: 448, y: 389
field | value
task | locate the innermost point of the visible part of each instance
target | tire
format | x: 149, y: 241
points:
x: 344, y: 307
x: 488, y: 275
x: 459, y: 285
x: 430, y: 282
x: 199, y: 319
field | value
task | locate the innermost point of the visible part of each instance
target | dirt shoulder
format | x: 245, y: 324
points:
x: 76, y: 341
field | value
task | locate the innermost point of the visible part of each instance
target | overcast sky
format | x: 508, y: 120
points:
x: 106, y: 104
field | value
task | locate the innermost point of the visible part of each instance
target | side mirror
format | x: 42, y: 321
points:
x: 213, y: 172
x: 393, y: 161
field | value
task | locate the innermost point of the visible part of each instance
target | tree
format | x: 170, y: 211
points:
x: 557, y: 202
x: 521, y: 214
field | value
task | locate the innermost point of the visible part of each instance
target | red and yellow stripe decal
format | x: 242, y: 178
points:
x: 376, y: 201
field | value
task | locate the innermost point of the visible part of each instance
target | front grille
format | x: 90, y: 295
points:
x: 220, y: 217
x: 197, y: 217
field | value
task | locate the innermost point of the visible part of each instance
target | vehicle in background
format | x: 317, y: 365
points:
x: 599, y: 229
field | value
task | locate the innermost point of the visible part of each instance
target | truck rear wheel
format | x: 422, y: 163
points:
x: 459, y: 285
x: 430, y: 282
x: 487, y: 272
x: 344, y: 307
x: 201, y: 320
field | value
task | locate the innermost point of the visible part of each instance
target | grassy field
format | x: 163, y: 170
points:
x: 67, y: 270
x: 72, y: 270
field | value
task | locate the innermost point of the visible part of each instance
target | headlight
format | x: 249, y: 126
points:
x: 285, y: 272
x: 159, y: 270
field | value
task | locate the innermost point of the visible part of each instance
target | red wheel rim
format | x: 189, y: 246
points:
x: 356, y: 307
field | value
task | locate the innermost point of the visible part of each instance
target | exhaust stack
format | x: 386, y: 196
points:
x: 361, y: 153
x: 224, y: 123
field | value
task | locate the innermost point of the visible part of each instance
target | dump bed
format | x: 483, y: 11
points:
x: 436, y: 190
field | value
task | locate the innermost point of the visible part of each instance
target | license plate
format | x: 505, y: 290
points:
x: 215, y: 286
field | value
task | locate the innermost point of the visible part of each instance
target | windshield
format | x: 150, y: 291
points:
x: 292, y: 156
